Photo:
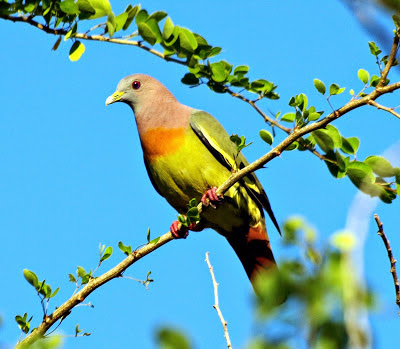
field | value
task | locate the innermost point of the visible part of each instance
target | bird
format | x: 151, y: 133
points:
x: 188, y: 154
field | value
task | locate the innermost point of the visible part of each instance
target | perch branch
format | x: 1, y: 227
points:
x: 380, y: 106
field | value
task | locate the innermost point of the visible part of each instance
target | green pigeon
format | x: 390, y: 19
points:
x: 188, y: 154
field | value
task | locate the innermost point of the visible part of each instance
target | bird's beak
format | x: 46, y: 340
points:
x: 115, y: 97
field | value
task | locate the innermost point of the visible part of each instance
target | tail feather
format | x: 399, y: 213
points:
x: 254, y: 250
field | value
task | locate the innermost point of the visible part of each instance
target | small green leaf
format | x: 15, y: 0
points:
x: 107, y: 254
x: 71, y: 278
x: 187, y: 40
x: 241, y: 69
x: 102, y: 8
x: 120, y: 21
x: 292, y: 146
x: 71, y: 33
x: 190, y: 79
x: 158, y: 16
x: 69, y: 7
x: 125, y: 249
x: 218, y: 72
x: 150, y: 31
x: 141, y: 17
x: 362, y: 177
x: 374, y: 80
x: 350, y: 145
x: 154, y: 241
x: 314, y: 116
x: 81, y: 272
x: 373, y: 48
x: 131, y: 15
x: 334, y: 89
x: 324, y: 140
x: 363, y: 75
x: 168, y: 28
x: 380, y: 166
x: 320, y: 86
x: 266, y: 136
x: 288, y: 117
x: 31, y: 277
x: 76, y: 51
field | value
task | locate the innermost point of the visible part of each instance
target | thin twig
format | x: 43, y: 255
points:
x: 382, y: 234
x: 380, y: 106
x: 216, y: 303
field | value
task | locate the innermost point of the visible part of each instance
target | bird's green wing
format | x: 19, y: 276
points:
x: 217, y: 141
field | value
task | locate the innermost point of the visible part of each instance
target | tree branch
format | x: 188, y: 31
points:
x: 380, y: 106
x: 216, y: 304
x: 382, y: 234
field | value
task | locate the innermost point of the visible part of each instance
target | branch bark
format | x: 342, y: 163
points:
x: 385, y: 240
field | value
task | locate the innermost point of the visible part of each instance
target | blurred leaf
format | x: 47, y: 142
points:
x: 373, y: 48
x: 289, y: 117
x: 102, y: 8
x: 56, y: 44
x: 344, y: 241
x: 350, y: 145
x: 125, y: 249
x: 169, y: 338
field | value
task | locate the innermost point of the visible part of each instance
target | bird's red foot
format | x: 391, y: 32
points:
x: 179, y: 231
x: 210, y: 197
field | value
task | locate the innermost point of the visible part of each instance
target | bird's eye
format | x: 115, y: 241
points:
x: 136, y: 85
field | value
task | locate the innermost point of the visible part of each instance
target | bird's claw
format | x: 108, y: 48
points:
x: 210, y: 197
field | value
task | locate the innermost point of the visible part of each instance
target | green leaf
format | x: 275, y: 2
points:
x: 150, y: 31
x: 131, y: 15
x: 76, y: 51
x: 288, y: 117
x: 169, y: 338
x: 125, y: 249
x: 111, y: 24
x: 334, y: 89
x: 373, y: 48
x: 102, y: 8
x: 120, y: 21
x: 168, y: 29
x: 380, y: 166
x: 266, y: 136
x: 86, y: 10
x: 31, y: 277
x: 218, y: 72
x: 190, y: 79
x: 336, y: 170
x: 187, y: 40
x: 292, y: 146
x: 71, y: 278
x: 241, y: 69
x: 324, y: 140
x: 350, y: 145
x: 141, y: 16
x: 107, y: 254
x: 154, y: 241
x: 320, y: 86
x: 71, y: 33
x: 81, y: 272
x: 374, y: 80
x: 363, y: 75
x: 314, y: 116
x: 158, y: 16
x: 69, y: 7
x: 361, y: 175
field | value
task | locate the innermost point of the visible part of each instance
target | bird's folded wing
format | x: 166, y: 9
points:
x: 214, y: 137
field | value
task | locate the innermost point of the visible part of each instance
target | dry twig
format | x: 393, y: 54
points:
x: 216, y: 303
x: 382, y: 234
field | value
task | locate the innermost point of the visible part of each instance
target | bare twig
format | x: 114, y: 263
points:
x: 380, y: 106
x: 216, y: 303
x: 382, y: 234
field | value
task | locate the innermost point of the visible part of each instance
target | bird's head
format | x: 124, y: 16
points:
x: 137, y: 90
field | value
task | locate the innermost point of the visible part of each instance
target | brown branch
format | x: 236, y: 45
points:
x: 390, y: 61
x: 216, y: 303
x: 382, y: 234
x: 84, y: 36
x: 380, y: 106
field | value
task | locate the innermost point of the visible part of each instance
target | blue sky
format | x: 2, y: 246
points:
x: 72, y: 173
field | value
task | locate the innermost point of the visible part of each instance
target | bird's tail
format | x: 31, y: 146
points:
x: 253, y: 249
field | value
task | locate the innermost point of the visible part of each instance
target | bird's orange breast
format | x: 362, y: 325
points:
x: 161, y: 141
